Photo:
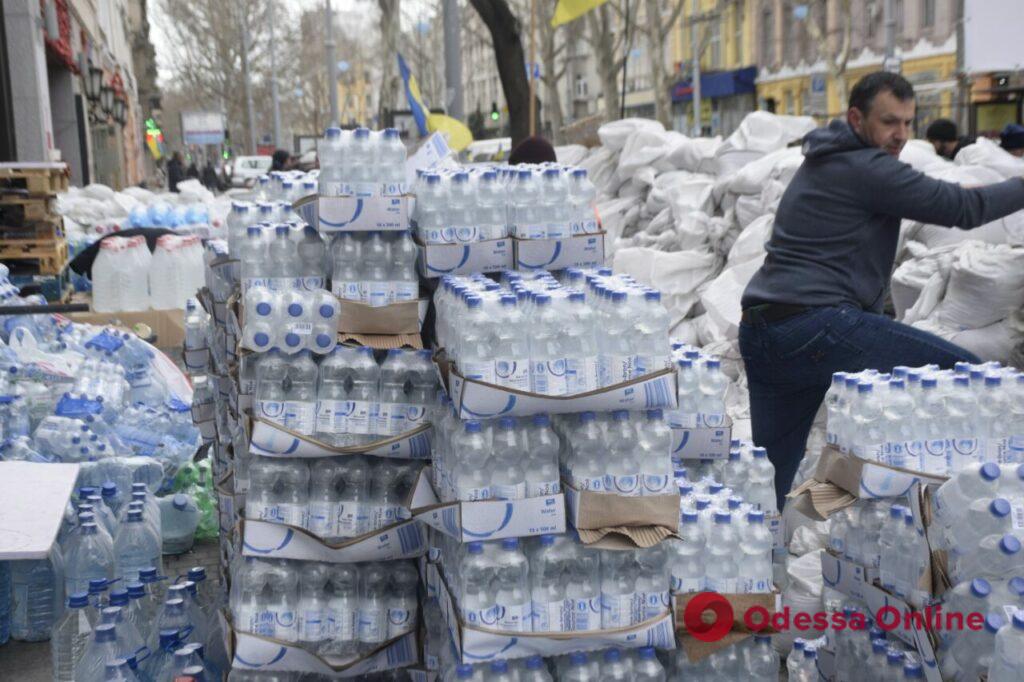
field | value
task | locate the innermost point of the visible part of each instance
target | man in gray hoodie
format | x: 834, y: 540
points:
x: 815, y: 306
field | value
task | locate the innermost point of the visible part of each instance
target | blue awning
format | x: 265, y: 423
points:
x: 714, y: 85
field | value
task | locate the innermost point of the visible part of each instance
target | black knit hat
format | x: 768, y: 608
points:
x: 1012, y: 136
x: 532, y: 150
x: 941, y: 129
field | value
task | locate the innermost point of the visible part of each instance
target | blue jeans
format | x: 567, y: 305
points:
x: 790, y: 364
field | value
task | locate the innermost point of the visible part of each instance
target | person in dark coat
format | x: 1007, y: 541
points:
x: 1012, y: 139
x: 210, y: 179
x: 175, y: 171
x: 532, y: 150
x: 281, y: 160
x: 942, y: 134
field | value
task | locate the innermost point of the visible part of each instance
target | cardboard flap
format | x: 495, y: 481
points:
x: 382, y: 341
x: 818, y: 500
x: 594, y: 511
x: 402, y: 540
x: 624, y: 537
x: 253, y: 652
x: 398, y: 318
x: 273, y: 440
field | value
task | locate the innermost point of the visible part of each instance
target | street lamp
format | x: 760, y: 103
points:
x: 93, y: 83
x: 120, y: 108
x: 107, y: 99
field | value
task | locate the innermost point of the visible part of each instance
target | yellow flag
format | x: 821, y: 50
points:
x: 455, y: 130
x: 567, y: 10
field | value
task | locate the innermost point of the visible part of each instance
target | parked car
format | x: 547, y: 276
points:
x: 245, y: 169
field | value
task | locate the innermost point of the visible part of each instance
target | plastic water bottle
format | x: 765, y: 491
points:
x: 102, y: 647
x: 511, y: 588
x: 474, y: 352
x: 622, y: 465
x: 761, y: 661
x: 511, y: 350
x: 179, y: 521
x: 135, y: 548
x: 618, y: 590
x: 391, y: 157
x: 527, y: 217
x: 655, y: 447
x: 755, y: 564
x: 377, y: 260
x: 555, y: 204
x: 506, y: 471
x: 686, y: 555
x: 37, y: 596
x: 722, y: 545
x: 1008, y: 657
x: 579, y: 670
x: 490, y: 209
x: 581, y: 349
x: 541, y: 461
x: 372, y: 623
x: 613, y: 667
x: 90, y: 556
x: 970, y: 483
x: 300, y: 398
x: 647, y: 666
x: 616, y: 363
x: 70, y: 637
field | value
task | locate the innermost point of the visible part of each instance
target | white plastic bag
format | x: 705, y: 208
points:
x: 613, y: 135
x: 985, y: 152
x: 986, y: 284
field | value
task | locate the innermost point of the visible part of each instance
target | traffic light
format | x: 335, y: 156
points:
x: 494, y: 111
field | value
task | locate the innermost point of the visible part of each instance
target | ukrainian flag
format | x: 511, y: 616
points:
x: 567, y: 10
x: 455, y: 130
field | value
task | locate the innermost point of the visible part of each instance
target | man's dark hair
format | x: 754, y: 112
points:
x: 864, y: 92
x: 941, y: 129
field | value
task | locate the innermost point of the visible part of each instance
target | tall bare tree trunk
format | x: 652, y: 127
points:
x: 390, y: 15
x: 599, y: 24
x: 658, y: 24
x: 550, y: 77
x: 506, y: 34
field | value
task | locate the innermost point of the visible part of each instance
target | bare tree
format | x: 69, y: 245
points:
x: 831, y: 36
x: 609, y: 35
x: 390, y: 25
x: 506, y: 34
x: 661, y: 17
x: 553, y: 58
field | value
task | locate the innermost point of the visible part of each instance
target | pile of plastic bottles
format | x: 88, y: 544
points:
x: 359, y: 157
x: 540, y: 335
x: 527, y: 201
x: 375, y: 268
x: 333, y: 610
x: 506, y: 459
x: 348, y: 399
x: 702, y: 388
x: 127, y: 277
x: 860, y: 653
x: 528, y: 585
x: 930, y: 420
x: 332, y: 497
x: 162, y: 214
x: 290, y: 320
x: 627, y: 665
x: 140, y: 630
x: 281, y: 257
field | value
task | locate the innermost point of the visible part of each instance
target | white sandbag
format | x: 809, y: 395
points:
x: 985, y: 152
x: 766, y: 132
x: 921, y: 155
x: 98, y: 191
x: 617, y: 214
x: 912, y: 275
x: 691, y: 194
x: 676, y: 274
x: 694, y: 154
x: 685, y: 331
x: 729, y: 160
x: 986, y: 284
x: 999, y: 341
x: 803, y: 594
x: 782, y: 163
x: 140, y: 194
x: 721, y: 299
x: 928, y: 299
x: 614, y: 134
x: 750, y: 243
x: 600, y: 166
x: 643, y: 147
x: 570, y: 154
x: 667, y: 186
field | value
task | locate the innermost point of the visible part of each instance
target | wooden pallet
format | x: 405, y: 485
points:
x: 41, y: 181
x: 13, y: 226
x: 29, y: 208
x: 51, y: 255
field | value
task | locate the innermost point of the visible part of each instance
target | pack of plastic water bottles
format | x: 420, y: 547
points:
x: 930, y: 420
x: 336, y: 611
x: 351, y: 158
x: 549, y: 337
x: 348, y: 398
x: 702, y: 388
x: 461, y: 206
x: 290, y: 321
x: 335, y: 498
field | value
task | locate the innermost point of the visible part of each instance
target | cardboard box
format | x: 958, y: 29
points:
x: 846, y: 576
x: 377, y: 209
x: 643, y: 521
x: 701, y: 442
x: 272, y: 440
x: 580, y: 251
x: 477, y: 400
x: 398, y: 318
x: 842, y: 478
x: 739, y: 604
x: 167, y: 325
x: 252, y: 652
x: 494, y: 519
x: 477, y: 644
x: 492, y: 255
x: 402, y: 540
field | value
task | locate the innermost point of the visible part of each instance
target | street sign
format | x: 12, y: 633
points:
x: 202, y: 127
x: 817, y: 97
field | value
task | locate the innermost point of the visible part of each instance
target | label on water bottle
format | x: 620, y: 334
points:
x: 754, y: 585
x: 311, y: 626
x: 472, y: 494
x: 586, y: 614
x: 687, y: 583
x: 655, y: 604
x: 1017, y: 515
x: 399, y: 621
x: 347, y: 290
x: 511, y: 491
x: 300, y: 416
x: 322, y: 521
x: 934, y: 458
x: 552, y: 616
x: 371, y: 626
x: 406, y: 291
x: 379, y: 294
x: 589, y: 226
x: 391, y: 419
x: 290, y: 514
x: 548, y: 378
x: 512, y: 373
x: 721, y: 585
x: 385, y: 515
x: 514, y: 617
x: 466, y: 234
x: 285, y: 627
x: 627, y: 486
x: 580, y: 375
x: 963, y: 451
x: 614, y: 369
x: 620, y: 610
x: 531, y: 230
x: 311, y: 283
x: 774, y: 523
x: 482, y: 370
x: 361, y: 418
x: 258, y: 623
x: 488, y: 617
x: 831, y: 437
x: 271, y: 410
x: 415, y: 416
x: 558, y: 230
x: 543, y: 488
x: 353, y: 519
x: 593, y: 484
x: 655, y: 484
x: 331, y: 416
